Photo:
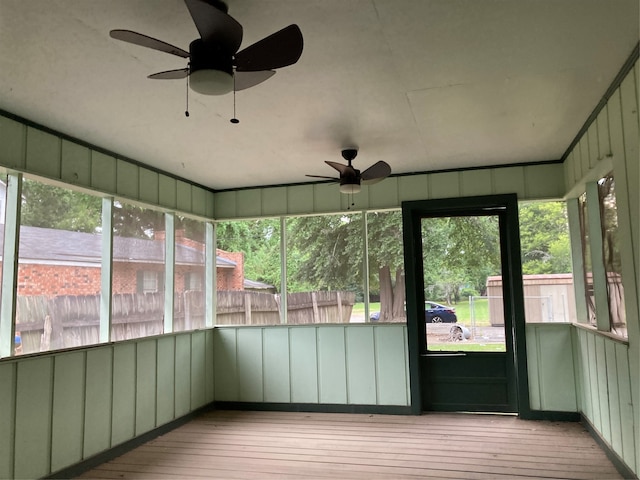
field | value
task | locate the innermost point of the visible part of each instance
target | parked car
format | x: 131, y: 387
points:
x: 433, y: 313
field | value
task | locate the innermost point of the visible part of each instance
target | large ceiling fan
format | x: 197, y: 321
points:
x: 350, y: 178
x: 215, y: 66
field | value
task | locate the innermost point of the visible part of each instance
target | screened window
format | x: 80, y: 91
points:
x: 189, y: 273
x: 58, y: 290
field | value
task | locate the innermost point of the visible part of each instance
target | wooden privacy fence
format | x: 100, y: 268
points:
x: 48, y: 323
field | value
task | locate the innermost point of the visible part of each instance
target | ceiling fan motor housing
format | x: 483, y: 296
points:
x: 210, y: 69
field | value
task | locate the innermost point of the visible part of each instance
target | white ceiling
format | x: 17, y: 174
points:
x: 422, y: 84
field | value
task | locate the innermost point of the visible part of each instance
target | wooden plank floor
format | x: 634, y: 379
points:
x: 269, y: 445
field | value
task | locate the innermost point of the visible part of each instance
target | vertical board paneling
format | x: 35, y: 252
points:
x: 183, y: 196
x: 299, y: 199
x: 33, y: 418
x: 209, y: 369
x: 225, y: 204
x: 167, y: 191
x: 277, y: 387
x: 533, y: 361
x: 274, y: 201
x: 145, y: 385
x: 225, y: 364
x: 594, y: 148
x: 444, y: 185
x: 13, y: 140
x: 412, y: 187
x: 7, y: 413
x: 509, y: 180
x: 68, y: 410
x: 127, y: 179
x: 76, y: 164
x: 614, y: 396
x: 545, y: 181
x: 198, y: 201
x: 198, y: 370
x: 183, y: 374
x: 249, y: 203
x: 361, y: 371
x: 249, y: 355
x: 123, y: 414
x: 103, y: 172
x: 577, y: 162
x: 148, y: 188
x: 97, y: 419
x: 165, y: 403
x: 629, y: 448
x: 602, y: 389
x: 391, y: 363
x: 603, y: 132
x: 586, y: 378
x: 304, y: 365
x: 593, y: 381
x: 476, y: 182
x: 326, y: 197
x: 209, y: 208
x: 383, y: 194
x: 43, y: 153
x: 332, y: 367
x: 585, y: 155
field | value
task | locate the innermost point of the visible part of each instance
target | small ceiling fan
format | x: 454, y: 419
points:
x: 350, y: 177
x: 215, y: 66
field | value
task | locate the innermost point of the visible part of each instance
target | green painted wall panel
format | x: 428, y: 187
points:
x: 604, y: 144
x: 225, y: 205
x: 103, y: 172
x: 33, y: 417
x: 602, y: 390
x: 594, y: 147
x: 383, y: 194
x: 585, y: 158
x: 127, y: 181
x: 97, y: 419
x: 68, y: 410
x: 533, y: 370
x: 361, y: 370
x: 76, y: 164
x: 249, y: 203
x: 7, y: 414
x: 413, y: 187
x: 225, y: 364
x: 198, y: 201
x: 274, y: 201
x: 304, y: 365
x: 167, y: 191
x: 326, y: 197
x: 43, y: 153
x: 209, y: 370
x: 165, y: 401
x: 615, y: 438
x: 629, y: 447
x: 210, y: 205
x: 299, y: 199
x: 183, y: 196
x: 13, y: 138
x: 277, y: 385
x: 148, y: 187
x: 509, y: 180
x: 183, y: 374
x: 583, y: 345
x: 391, y: 363
x: 556, y: 374
x: 332, y: 368
x: 249, y: 356
x: 544, y: 182
x: 593, y: 381
x: 444, y: 185
x: 145, y: 385
x: 123, y: 414
x: 198, y: 370
x: 476, y: 182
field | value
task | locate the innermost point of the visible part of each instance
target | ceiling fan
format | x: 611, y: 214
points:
x: 350, y: 177
x: 215, y: 65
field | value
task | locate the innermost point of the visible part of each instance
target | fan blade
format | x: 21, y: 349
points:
x: 144, y: 41
x: 376, y: 172
x: 215, y: 25
x: 275, y: 51
x: 322, y: 176
x: 170, y: 74
x: 338, y: 166
x: 245, y: 80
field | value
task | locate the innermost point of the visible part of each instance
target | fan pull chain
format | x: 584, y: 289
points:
x: 234, y: 119
x: 186, y: 112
